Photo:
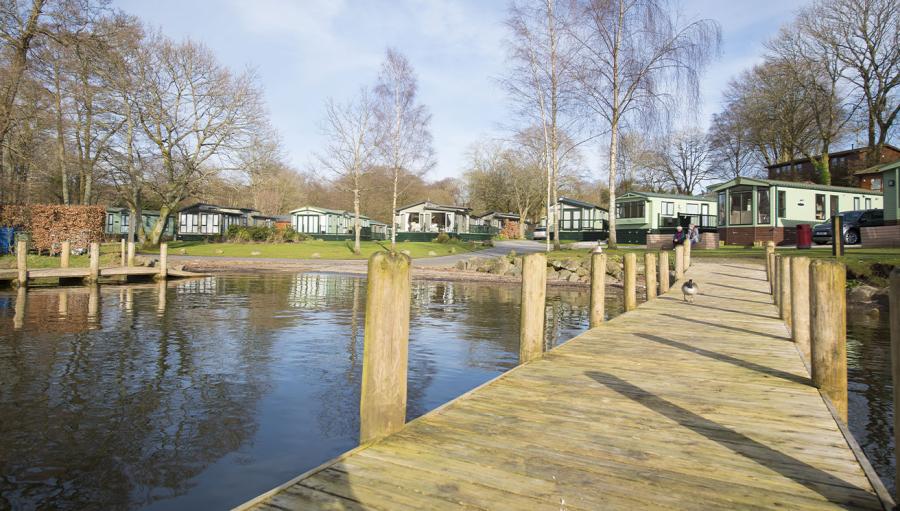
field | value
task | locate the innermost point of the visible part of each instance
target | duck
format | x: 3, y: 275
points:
x: 690, y: 289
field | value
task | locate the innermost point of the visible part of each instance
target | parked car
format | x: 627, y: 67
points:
x: 853, y: 221
x: 540, y: 233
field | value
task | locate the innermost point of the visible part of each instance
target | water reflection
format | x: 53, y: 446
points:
x: 206, y: 392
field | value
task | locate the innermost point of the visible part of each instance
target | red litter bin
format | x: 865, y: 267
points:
x: 804, y: 236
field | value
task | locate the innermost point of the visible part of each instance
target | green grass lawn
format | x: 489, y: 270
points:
x: 109, y: 256
x: 311, y: 249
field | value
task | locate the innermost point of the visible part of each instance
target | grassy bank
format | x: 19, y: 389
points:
x: 864, y: 265
x: 312, y: 249
x: 109, y: 256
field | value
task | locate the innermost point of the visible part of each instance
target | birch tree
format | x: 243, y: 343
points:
x: 638, y: 59
x: 405, y: 138
x: 350, y: 147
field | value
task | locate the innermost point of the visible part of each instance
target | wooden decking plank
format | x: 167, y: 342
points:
x: 672, y: 405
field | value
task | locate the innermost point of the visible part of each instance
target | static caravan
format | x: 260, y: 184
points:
x: 427, y: 216
x: 759, y: 210
x: 580, y: 220
x: 118, y: 221
x: 335, y: 224
x: 885, y: 178
x: 208, y: 220
x: 639, y: 214
x: 493, y: 221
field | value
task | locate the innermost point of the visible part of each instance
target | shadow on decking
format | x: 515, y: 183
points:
x: 827, y: 485
x: 731, y: 276
x: 729, y: 359
x: 755, y: 268
x: 742, y: 313
x: 725, y: 327
x: 736, y: 287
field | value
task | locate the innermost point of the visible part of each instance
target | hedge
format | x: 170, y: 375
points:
x: 50, y: 225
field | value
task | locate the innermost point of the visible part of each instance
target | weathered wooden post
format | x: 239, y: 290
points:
x: 534, y: 298
x: 828, y: 331
x: 122, y: 249
x: 679, y: 263
x: 687, y: 254
x: 382, y: 406
x: 630, y: 281
x: 95, y: 263
x: 800, y: 304
x: 130, y: 253
x: 663, y: 271
x: 21, y: 303
x: 837, y: 235
x: 776, y: 289
x: 650, y: 274
x: 770, y: 261
x: 598, y: 289
x: 894, y: 312
x: 64, y: 252
x: 784, y: 287
x: 163, y: 261
x: 22, y: 263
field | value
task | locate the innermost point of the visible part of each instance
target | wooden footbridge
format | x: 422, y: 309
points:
x: 669, y: 406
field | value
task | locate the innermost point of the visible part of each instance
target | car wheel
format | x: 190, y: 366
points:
x: 851, y: 238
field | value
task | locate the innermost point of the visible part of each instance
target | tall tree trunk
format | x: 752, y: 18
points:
x: 356, y: 226
x: 613, y: 155
x: 158, y: 229
x: 394, y: 209
x: 61, y: 142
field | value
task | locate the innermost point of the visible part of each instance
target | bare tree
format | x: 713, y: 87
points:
x: 18, y: 29
x: 405, y: 139
x: 731, y: 146
x: 351, y: 143
x: 637, y: 58
x: 684, y: 161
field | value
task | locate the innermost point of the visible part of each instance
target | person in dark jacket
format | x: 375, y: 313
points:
x: 678, y: 238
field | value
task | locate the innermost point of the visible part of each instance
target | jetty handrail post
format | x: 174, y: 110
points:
x: 800, y: 304
x: 130, y: 253
x: 837, y: 235
x: 785, y: 289
x: 122, y: 250
x: 828, y: 332
x: 163, y: 261
x: 64, y: 253
x: 534, y: 300
x: 663, y: 271
x: 770, y: 261
x: 598, y: 289
x: 894, y: 311
x: 630, y: 281
x: 95, y: 262
x: 650, y: 274
x: 22, y: 263
x: 687, y: 254
x: 776, y: 283
x: 679, y: 263
x: 382, y: 405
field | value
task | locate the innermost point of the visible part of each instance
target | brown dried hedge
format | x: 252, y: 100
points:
x: 50, y: 225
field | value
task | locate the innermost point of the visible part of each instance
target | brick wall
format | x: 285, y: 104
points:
x: 880, y: 237
x: 664, y: 241
x: 746, y: 236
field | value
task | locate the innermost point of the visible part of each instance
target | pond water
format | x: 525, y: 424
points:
x: 201, y: 394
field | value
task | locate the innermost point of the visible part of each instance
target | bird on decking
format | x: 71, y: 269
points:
x: 690, y: 289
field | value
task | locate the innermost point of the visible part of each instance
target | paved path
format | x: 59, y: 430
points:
x: 670, y: 406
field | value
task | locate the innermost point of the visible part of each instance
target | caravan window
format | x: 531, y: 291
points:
x: 668, y: 208
x: 820, y: 206
x: 763, y: 208
x: 741, y: 207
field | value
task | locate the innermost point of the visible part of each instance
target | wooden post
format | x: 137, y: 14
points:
x: 776, y: 291
x: 22, y: 263
x: 161, y: 298
x: 800, y: 304
x: 130, y: 253
x: 784, y: 287
x: 382, y: 406
x: 687, y: 254
x: 663, y: 271
x: 828, y: 332
x: 837, y: 235
x: 630, y: 281
x: 770, y: 261
x: 679, y: 263
x: 598, y: 289
x: 21, y: 303
x: 95, y: 262
x: 122, y: 249
x: 534, y: 298
x: 64, y: 254
x: 650, y: 274
x: 894, y: 312
x: 163, y: 261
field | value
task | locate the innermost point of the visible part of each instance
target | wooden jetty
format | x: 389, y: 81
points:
x: 669, y: 406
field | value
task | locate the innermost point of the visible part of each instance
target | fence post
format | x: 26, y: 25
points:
x: 130, y: 253
x: 800, y: 304
x: 828, y: 331
x: 770, y: 261
x: 784, y: 285
x: 837, y: 235
x: 64, y: 254
x: 598, y: 289
x: 382, y: 406
x: 163, y: 261
x: 776, y: 283
x: 679, y: 263
x: 534, y: 297
x: 95, y: 262
x: 650, y: 274
x: 630, y: 281
x: 894, y: 312
x: 122, y: 249
x: 663, y: 271
x: 22, y: 263
x: 687, y: 254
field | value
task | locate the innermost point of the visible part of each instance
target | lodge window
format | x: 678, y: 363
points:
x: 668, y: 208
x: 692, y: 209
x: 820, y: 206
x: 413, y: 222
x: 855, y: 203
x: 763, y: 208
x: 868, y: 203
x: 110, y: 222
x: 307, y: 224
x: 630, y: 210
x: 834, y: 205
x: 876, y: 184
x: 723, y: 198
x: 741, y: 208
x: 782, y: 204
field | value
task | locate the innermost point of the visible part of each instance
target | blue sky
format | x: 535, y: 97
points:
x: 307, y: 50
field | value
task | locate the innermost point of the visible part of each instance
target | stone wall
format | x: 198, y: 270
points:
x: 880, y: 237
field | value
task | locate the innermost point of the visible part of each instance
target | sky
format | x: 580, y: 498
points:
x: 305, y: 51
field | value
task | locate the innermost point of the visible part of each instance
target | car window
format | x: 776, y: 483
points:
x: 877, y: 215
